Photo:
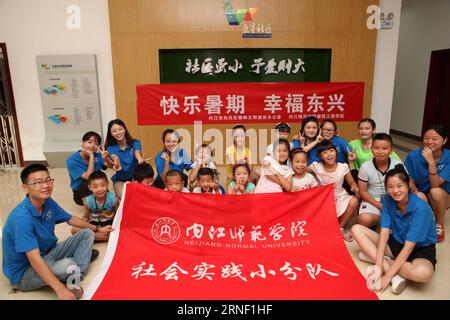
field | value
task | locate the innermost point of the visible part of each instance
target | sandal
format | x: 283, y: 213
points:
x: 346, y: 235
x: 440, y: 233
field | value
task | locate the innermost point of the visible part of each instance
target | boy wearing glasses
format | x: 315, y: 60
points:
x: 32, y: 258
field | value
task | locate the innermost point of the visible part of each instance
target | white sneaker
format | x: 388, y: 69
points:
x: 398, y: 284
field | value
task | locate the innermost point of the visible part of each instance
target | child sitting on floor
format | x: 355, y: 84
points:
x: 99, y: 207
x: 144, y: 173
x: 206, y: 182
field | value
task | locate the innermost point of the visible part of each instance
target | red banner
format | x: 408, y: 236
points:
x: 262, y: 246
x: 160, y: 104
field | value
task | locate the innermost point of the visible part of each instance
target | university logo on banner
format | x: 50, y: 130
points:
x: 182, y: 246
x: 160, y: 104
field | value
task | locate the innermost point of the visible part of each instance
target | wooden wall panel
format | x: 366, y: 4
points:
x: 140, y: 27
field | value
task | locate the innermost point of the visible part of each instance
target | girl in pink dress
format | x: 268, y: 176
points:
x: 330, y: 171
x: 276, y: 175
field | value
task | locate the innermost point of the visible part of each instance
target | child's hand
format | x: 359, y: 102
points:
x: 103, y: 152
x: 241, y: 187
x: 319, y: 137
x: 302, y: 139
x: 87, y: 153
x: 165, y: 156
x: 116, y: 163
x: 385, y: 282
x: 351, y: 155
x: 106, y: 229
x: 354, y: 187
x: 266, y: 164
x: 236, y: 186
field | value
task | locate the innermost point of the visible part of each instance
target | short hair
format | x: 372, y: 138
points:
x: 143, y: 171
x: 32, y: 168
x: 382, y: 137
x: 330, y: 121
x: 297, y: 151
x: 369, y: 120
x: 174, y: 173
x: 398, y: 171
x: 97, y: 175
x: 91, y: 134
x: 324, y: 146
x: 440, y: 129
x: 205, y: 172
x: 283, y: 126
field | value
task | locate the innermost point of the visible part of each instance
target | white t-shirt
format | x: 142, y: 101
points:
x: 374, y: 177
x: 307, y: 182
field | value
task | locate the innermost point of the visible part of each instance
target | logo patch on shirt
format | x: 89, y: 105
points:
x: 49, y: 215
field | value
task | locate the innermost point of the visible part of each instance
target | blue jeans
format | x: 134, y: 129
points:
x: 66, y: 257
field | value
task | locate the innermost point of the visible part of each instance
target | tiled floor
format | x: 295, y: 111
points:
x: 11, y: 194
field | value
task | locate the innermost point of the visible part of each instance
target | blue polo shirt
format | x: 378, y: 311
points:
x: 127, y: 160
x: 417, y: 224
x: 418, y: 169
x: 182, y: 162
x: 341, y: 147
x: 77, y: 166
x: 25, y: 230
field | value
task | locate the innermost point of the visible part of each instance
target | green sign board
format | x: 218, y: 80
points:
x: 244, y: 65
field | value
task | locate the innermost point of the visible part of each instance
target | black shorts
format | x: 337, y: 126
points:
x: 428, y: 252
x: 82, y: 192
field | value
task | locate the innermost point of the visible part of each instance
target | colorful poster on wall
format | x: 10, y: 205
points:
x: 70, y: 103
x: 168, y: 104
x: 257, y: 246
x: 69, y: 94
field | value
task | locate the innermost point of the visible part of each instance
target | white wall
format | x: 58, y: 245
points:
x: 31, y: 28
x: 384, y: 70
x: 425, y: 26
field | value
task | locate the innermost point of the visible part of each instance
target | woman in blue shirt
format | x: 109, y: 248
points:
x: 429, y: 168
x: 409, y: 252
x: 82, y: 163
x: 125, y: 153
x: 172, y: 157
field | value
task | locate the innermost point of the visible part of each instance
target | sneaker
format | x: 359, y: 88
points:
x: 440, y: 233
x: 94, y: 254
x: 77, y: 291
x: 398, y: 284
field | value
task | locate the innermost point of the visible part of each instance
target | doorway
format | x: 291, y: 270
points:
x: 10, y: 147
x: 437, y: 102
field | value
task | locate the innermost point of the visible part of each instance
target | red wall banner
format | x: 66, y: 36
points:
x: 159, y: 104
x: 177, y: 246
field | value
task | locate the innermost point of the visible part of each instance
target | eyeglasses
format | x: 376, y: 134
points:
x: 41, y: 183
x: 328, y: 130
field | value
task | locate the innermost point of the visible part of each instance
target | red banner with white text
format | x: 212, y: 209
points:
x: 182, y: 246
x: 258, y: 102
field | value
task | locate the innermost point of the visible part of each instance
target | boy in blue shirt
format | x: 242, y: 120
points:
x: 32, y: 258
